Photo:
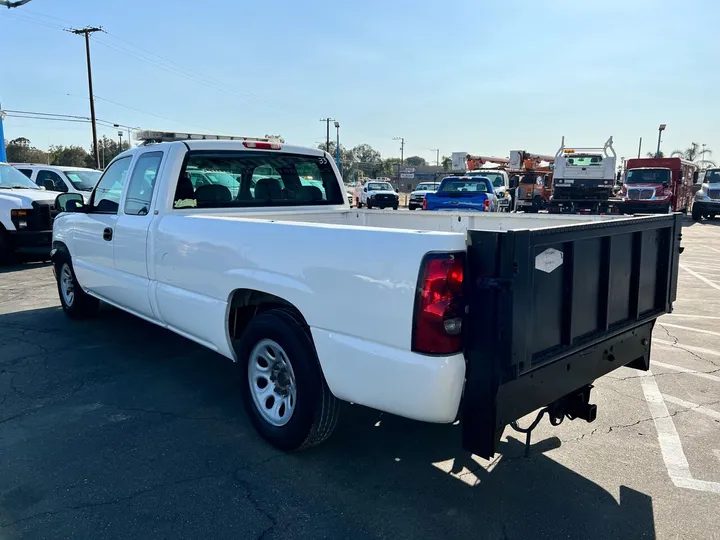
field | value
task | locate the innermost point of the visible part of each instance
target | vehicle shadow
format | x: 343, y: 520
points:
x: 20, y: 266
x: 714, y: 222
x: 152, y: 397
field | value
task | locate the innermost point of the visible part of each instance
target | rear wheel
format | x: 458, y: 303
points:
x: 282, y: 385
x: 75, y: 302
x: 411, y: 208
x: 369, y: 206
x: 358, y: 203
x: 395, y: 207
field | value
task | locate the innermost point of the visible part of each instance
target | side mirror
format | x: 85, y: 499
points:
x: 69, y: 202
x: 48, y: 184
x: 696, y: 175
x: 365, y: 190
x: 396, y: 190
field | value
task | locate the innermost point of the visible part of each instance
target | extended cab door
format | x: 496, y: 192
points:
x: 93, y: 231
x: 131, y: 235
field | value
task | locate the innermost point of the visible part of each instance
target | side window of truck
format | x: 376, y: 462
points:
x: 106, y: 197
x: 43, y: 175
x: 142, y: 184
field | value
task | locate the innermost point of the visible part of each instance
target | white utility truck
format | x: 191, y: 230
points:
x: 430, y: 316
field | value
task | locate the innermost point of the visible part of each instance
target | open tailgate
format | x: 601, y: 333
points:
x: 553, y: 309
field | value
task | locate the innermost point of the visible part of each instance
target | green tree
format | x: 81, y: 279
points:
x: 416, y: 161
x: 20, y: 151
x: 69, y: 156
x: 108, y: 149
x: 446, y: 163
x: 652, y: 155
x: 278, y: 137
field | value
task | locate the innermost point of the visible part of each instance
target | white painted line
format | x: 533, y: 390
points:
x: 692, y: 406
x: 671, y: 449
x: 707, y: 376
x: 713, y: 249
x: 701, y: 278
x: 688, y: 347
x: 686, y: 316
x: 691, y: 329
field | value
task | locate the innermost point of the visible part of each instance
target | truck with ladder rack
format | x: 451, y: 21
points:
x: 583, y: 179
x: 486, y: 317
x: 534, y: 177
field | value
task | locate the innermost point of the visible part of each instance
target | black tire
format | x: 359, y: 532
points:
x: 359, y: 204
x: 410, y: 208
x: 316, y: 409
x: 696, y: 214
x: 81, y: 305
x: 712, y: 216
x: 396, y: 207
x: 369, y: 206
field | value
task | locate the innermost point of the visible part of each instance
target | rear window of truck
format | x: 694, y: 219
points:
x: 255, y: 179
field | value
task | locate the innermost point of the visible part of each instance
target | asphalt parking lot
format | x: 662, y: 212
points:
x: 114, y: 428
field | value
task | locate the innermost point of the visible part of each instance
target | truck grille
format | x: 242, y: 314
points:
x: 713, y: 193
x: 640, y: 194
x: 43, y: 215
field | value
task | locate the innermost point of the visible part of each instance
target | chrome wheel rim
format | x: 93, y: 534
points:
x: 272, y: 382
x: 67, y: 286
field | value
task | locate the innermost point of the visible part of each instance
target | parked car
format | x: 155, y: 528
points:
x: 60, y: 178
x: 417, y: 196
x: 26, y: 215
x: 376, y: 194
x: 463, y: 193
x: 427, y: 316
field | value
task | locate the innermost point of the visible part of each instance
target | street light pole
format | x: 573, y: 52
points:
x: 120, y: 134
x: 327, y: 133
x: 437, y: 156
x: 660, y: 130
x: 337, y: 146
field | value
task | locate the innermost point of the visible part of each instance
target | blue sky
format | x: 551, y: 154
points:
x: 459, y: 75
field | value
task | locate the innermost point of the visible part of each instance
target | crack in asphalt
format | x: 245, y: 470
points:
x: 226, y: 419
x: 676, y: 344
x: 664, y: 374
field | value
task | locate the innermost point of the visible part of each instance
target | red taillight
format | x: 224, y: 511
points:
x: 486, y: 205
x: 424, y: 204
x: 439, y: 305
x: 262, y: 145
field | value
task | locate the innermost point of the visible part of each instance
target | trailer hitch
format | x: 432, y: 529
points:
x: 571, y: 406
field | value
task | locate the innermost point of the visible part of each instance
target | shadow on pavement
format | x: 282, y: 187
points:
x: 18, y: 267
x: 118, y: 426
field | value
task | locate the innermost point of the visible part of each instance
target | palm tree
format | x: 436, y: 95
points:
x: 694, y: 152
x: 652, y: 154
x: 446, y: 162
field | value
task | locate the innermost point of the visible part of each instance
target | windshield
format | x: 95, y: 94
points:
x: 379, y: 186
x: 712, y: 176
x: 83, y: 180
x: 11, y: 178
x: 427, y: 187
x: 582, y: 160
x: 479, y: 185
x: 647, y: 176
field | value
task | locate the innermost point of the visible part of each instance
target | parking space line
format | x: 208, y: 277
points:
x: 701, y: 278
x: 712, y: 248
x: 688, y: 316
x: 671, y: 448
x: 679, y: 369
x: 692, y: 406
x: 691, y: 329
x: 687, y: 347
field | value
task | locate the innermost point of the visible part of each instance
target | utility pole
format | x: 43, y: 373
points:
x: 437, y: 156
x: 120, y: 134
x: 402, y: 154
x: 327, y: 137
x: 86, y: 32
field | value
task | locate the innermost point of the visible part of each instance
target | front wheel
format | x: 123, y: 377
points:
x: 696, y: 213
x: 75, y: 302
x: 369, y: 206
x: 282, y: 385
x: 395, y: 207
x: 359, y: 204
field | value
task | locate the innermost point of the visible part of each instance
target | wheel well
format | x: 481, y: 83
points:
x: 246, y: 303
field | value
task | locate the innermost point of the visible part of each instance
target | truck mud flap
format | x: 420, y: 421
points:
x: 550, y: 310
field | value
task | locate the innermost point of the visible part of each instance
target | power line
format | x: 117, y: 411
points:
x: 149, y: 113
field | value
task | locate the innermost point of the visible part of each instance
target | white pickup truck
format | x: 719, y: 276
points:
x: 430, y: 316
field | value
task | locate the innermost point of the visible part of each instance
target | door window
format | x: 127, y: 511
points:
x: 44, y: 175
x: 26, y: 172
x: 106, y: 197
x: 142, y: 184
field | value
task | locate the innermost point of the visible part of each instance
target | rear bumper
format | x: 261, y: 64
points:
x: 425, y: 388
x: 30, y: 242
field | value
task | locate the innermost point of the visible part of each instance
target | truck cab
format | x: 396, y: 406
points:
x: 583, y: 179
x: 707, y: 199
x: 376, y: 193
x: 657, y: 185
x: 26, y: 215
